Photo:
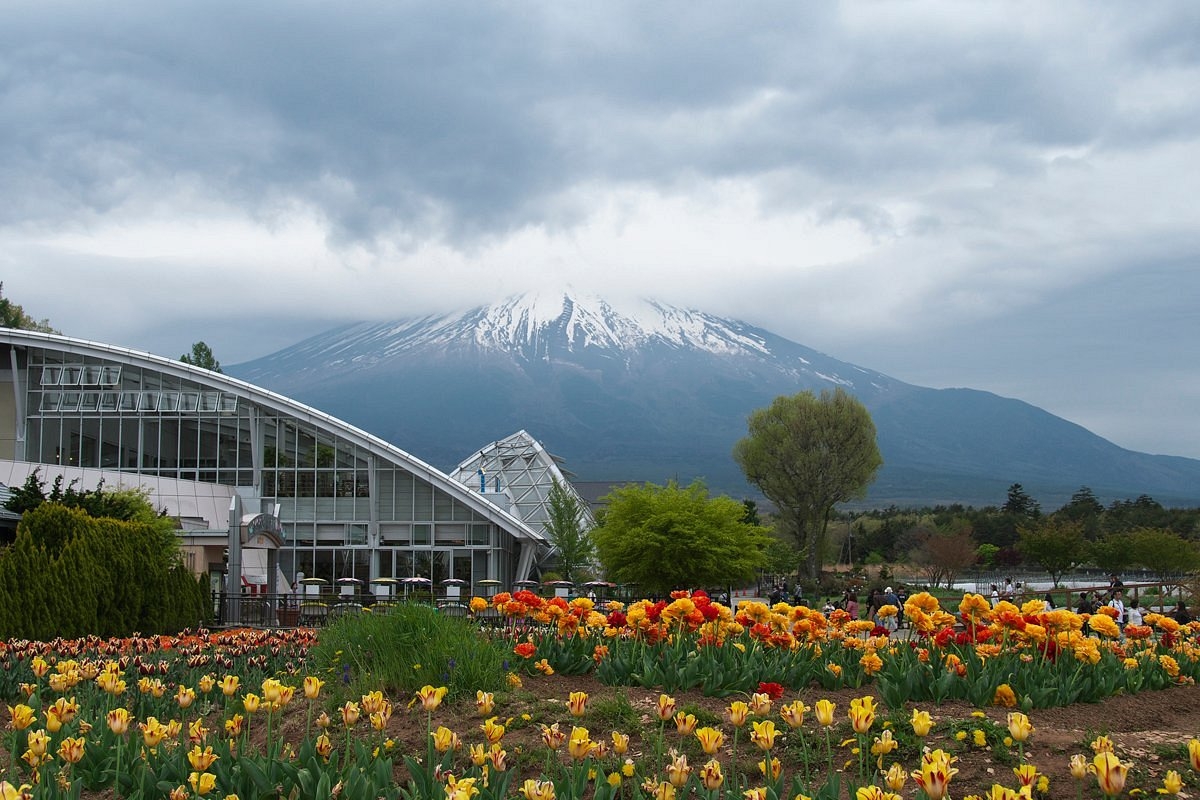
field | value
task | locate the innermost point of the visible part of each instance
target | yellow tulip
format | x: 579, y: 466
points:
x: 197, y: 733
x: 662, y: 791
x: 770, y: 769
x: 206, y: 683
x: 793, y: 713
x: 118, y: 721
x: 21, y: 716
x: 153, y: 732
x: 9, y: 791
x: 678, y: 771
x: 1019, y: 727
x: 493, y: 731
x: 497, y: 755
x: 185, y: 696
x: 324, y: 746
x: 201, y: 760
x: 233, y: 725
x: 711, y: 740
x: 445, y: 739
x: 1079, y: 767
x: 760, y: 704
x: 70, y: 749
x: 1110, y: 773
x: 577, y: 704
x: 460, y: 789
x: 372, y: 702
x: 202, y: 782
x: 537, y: 790
x: 757, y: 793
x: 666, y: 707
x: 710, y: 775
x: 484, y: 702
x: 824, y: 709
x: 350, y: 713
x: 1194, y: 753
x: 620, y: 743
x: 738, y: 712
x: 685, y: 724
x: 580, y: 743
x: 430, y: 697
x: 251, y: 702
x: 935, y: 774
x: 764, y: 734
x: 552, y: 736
x: 921, y: 722
x: 895, y: 777
x: 1172, y: 783
x: 1026, y: 774
x: 312, y: 687
x: 229, y: 685
x: 38, y: 741
x: 862, y: 714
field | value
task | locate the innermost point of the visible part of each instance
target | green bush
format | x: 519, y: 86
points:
x: 410, y: 646
x: 70, y: 575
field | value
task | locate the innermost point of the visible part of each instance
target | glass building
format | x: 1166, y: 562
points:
x: 349, y: 505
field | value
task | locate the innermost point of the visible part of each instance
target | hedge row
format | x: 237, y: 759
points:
x: 70, y: 575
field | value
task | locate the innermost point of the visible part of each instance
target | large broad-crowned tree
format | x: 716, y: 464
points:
x: 807, y: 453
x: 671, y: 537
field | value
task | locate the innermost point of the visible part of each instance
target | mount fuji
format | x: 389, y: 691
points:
x: 644, y: 391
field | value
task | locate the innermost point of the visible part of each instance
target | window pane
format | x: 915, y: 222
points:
x: 91, y: 376
x: 51, y: 376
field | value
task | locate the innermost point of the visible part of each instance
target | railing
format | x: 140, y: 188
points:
x: 290, y: 610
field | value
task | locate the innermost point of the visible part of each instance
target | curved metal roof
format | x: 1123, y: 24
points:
x: 284, y: 405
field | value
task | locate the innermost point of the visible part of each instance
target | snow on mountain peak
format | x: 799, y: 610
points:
x: 586, y: 321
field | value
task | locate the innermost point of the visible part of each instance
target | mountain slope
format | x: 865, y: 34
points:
x: 651, y: 392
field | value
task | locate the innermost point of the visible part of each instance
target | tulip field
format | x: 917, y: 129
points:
x: 669, y: 699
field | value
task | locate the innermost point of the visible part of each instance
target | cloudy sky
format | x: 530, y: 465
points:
x: 994, y: 195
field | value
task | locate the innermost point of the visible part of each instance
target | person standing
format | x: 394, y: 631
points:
x: 1118, y: 603
x: 1085, y: 605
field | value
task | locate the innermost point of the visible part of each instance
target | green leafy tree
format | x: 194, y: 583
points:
x: 567, y: 530
x: 1057, y: 546
x: 1164, y: 553
x: 667, y: 537
x: 807, y: 454
x: 1114, y: 553
x: 14, y: 316
x: 201, y: 356
x: 986, y: 554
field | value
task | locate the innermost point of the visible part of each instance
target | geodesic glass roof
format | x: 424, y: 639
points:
x: 520, y: 468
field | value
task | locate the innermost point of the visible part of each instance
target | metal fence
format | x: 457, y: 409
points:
x: 290, y: 611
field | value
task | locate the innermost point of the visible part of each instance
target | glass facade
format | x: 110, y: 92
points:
x: 350, y: 508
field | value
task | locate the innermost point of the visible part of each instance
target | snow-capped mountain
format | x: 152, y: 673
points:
x: 646, y: 391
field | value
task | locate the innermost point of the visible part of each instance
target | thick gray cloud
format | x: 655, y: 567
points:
x: 990, y: 194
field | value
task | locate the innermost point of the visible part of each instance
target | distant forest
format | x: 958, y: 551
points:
x: 1106, y: 536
